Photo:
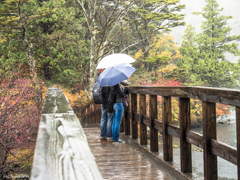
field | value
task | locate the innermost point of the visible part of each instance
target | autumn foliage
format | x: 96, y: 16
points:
x: 20, y: 109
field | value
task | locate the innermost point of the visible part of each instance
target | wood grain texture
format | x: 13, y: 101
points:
x: 224, y: 151
x: 152, y: 116
x: 185, y: 124
x: 209, y: 94
x: 209, y: 132
x: 142, y: 113
x: 62, y: 151
x: 120, y: 161
x: 167, y: 120
x: 238, y: 139
x: 194, y: 138
x: 134, y: 118
x: 127, y: 120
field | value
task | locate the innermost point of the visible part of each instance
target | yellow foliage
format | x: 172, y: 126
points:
x: 138, y: 54
x: 167, y: 69
x: 19, y: 154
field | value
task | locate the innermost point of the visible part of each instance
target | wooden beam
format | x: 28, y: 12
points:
x: 127, y: 120
x: 185, y: 124
x: 238, y: 139
x: 209, y: 132
x: 158, y: 125
x: 153, y: 115
x: 209, y: 94
x: 142, y: 113
x: 194, y: 138
x: 134, y: 120
x: 173, y: 130
x: 167, y: 120
x: 224, y: 151
x: 62, y: 150
x: 146, y: 121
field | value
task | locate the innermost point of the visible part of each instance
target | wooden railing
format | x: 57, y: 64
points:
x: 211, y: 147
x: 62, y: 150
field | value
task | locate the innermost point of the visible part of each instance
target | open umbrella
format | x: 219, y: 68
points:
x: 114, y: 59
x: 115, y: 74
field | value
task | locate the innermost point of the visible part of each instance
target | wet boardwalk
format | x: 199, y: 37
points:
x: 121, y: 161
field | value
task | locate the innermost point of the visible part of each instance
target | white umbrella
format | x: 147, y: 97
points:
x: 114, y: 59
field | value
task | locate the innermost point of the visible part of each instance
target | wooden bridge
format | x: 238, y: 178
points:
x: 63, y: 152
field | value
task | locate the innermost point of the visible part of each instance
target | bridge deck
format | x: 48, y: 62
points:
x: 121, y: 161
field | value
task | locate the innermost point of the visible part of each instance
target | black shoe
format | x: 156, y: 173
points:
x: 118, y: 141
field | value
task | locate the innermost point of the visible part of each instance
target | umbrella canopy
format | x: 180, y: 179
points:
x: 114, y: 75
x: 114, y: 59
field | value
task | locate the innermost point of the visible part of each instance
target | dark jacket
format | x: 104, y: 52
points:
x: 115, y: 96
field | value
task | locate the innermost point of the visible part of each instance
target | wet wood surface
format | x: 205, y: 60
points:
x: 121, y: 161
x: 62, y: 151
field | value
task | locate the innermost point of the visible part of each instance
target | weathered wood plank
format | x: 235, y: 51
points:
x: 238, y: 139
x: 134, y: 119
x: 209, y: 94
x: 224, y: 151
x: 185, y: 124
x: 173, y: 130
x: 152, y: 116
x: 62, y: 150
x: 194, y: 138
x: 146, y: 121
x: 209, y: 132
x: 56, y: 102
x: 142, y: 113
x: 158, y: 125
x: 127, y: 120
x: 167, y: 120
x: 122, y: 124
x: 163, y: 90
x: 123, y: 161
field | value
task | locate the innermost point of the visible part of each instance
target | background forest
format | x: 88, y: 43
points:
x: 59, y: 43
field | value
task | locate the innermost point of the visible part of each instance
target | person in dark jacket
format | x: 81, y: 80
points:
x: 115, y: 104
x: 107, y: 117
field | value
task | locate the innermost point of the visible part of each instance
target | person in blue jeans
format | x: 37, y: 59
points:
x: 106, y: 124
x: 115, y: 104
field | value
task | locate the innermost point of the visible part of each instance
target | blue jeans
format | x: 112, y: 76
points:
x: 117, y: 118
x: 106, y: 123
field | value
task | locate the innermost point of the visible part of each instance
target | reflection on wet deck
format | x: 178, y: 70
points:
x: 121, y: 161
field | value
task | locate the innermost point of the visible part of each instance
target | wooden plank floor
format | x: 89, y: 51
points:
x: 121, y: 161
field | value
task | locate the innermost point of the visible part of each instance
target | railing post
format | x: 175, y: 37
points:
x: 134, y: 111
x: 185, y: 123
x: 209, y: 132
x: 167, y: 119
x: 127, y: 120
x: 94, y: 114
x: 238, y: 139
x: 153, y: 115
x: 83, y: 116
x: 142, y: 112
x: 88, y: 114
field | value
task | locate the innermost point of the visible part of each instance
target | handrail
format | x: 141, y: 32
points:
x: 209, y: 97
x: 62, y: 150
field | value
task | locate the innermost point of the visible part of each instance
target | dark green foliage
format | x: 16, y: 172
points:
x: 204, y: 60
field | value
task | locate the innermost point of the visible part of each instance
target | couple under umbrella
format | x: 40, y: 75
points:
x: 117, y: 69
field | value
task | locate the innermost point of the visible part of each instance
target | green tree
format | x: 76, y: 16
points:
x: 154, y: 17
x: 204, y: 54
x: 46, y: 35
